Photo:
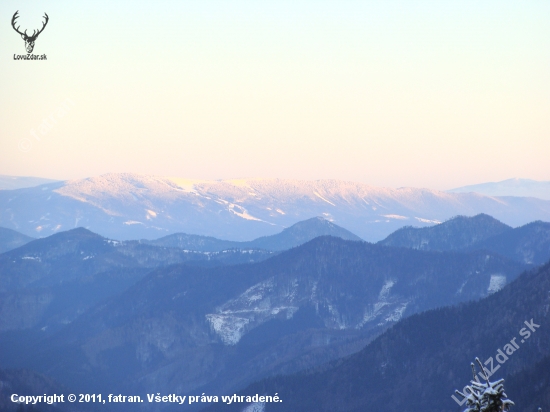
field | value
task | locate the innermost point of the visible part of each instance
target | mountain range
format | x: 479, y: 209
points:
x: 129, y: 206
x: 48, y: 282
x: 510, y: 187
x: 297, y: 234
x: 290, y: 237
x: 529, y: 243
x: 103, y: 315
x: 186, y: 328
x: 47, y: 273
x: 455, y: 234
x: 418, y: 364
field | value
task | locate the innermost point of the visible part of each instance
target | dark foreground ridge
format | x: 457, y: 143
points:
x: 417, y: 364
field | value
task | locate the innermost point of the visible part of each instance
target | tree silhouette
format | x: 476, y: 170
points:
x: 485, y: 396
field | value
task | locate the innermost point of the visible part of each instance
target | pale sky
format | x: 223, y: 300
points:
x: 418, y: 93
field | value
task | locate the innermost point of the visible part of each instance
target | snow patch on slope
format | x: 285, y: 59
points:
x: 256, y: 305
x: 420, y: 219
x: 255, y: 407
x: 322, y: 198
x: 496, y: 283
x: 386, y: 290
x: 31, y: 258
x: 398, y: 217
x: 391, y: 310
x: 230, y: 328
x: 242, y: 212
x: 397, y: 313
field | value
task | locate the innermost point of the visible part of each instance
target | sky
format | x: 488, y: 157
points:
x: 436, y: 94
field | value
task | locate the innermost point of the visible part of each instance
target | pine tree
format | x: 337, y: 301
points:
x: 485, y: 396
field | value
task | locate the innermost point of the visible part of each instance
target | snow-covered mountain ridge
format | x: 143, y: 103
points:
x: 124, y: 206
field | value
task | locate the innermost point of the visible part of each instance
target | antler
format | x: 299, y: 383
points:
x: 43, y: 25
x: 34, y: 33
x: 15, y: 16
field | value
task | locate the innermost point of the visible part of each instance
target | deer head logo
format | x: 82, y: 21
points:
x: 29, y: 40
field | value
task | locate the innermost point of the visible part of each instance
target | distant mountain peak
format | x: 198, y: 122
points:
x: 295, y: 235
x: 78, y: 232
x: 480, y: 217
x: 317, y: 221
x: 59, y: 240
x: 453, y: 234
x: 303, y: 232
